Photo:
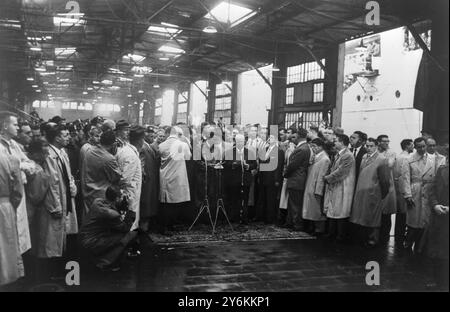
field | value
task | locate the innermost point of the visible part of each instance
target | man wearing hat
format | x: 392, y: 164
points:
x: 57, y: 120
x: 130, y: 165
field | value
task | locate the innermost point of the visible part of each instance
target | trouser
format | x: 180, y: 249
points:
x: 440, y: 273
x: 282, y: 216
x: 295, y: 208
x: 319, y: 226
x: 385, y: 229
x: 238, y: 210
x: 268, y: 206
x: 170, y: 213
x: 413, y: 238
x: 114, y: 255
x: 337, y: 228
x: 400, y: 227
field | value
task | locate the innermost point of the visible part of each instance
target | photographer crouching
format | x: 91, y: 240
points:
x: 105, y: 234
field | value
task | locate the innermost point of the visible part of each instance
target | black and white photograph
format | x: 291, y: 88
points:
x: 224, y: 152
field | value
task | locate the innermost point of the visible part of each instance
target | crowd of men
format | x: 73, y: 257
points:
x: 104, y: 182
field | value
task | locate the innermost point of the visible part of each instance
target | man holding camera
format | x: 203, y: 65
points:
x: 106, y: 234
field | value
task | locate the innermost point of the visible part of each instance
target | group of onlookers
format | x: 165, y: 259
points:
x: 108, y: 181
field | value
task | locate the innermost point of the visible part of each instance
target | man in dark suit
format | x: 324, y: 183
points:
x: 296, y: 173
x: 358, y: 149
x: 271, y: 178
x: 238, y: 178
x: 358, y: 141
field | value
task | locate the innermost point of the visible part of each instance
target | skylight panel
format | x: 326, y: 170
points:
x: 64, y: 51
x: 169, y: 31
x: 171, y: 49
x: 229, y: 13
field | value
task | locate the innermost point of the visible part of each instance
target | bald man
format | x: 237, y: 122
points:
x: 431, y: 150
x: 238, y: 178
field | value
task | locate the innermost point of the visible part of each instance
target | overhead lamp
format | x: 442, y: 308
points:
x: 275, y: 68
x: 85, y: 92
x: 90, y: 88
x: 38, y: 91
x: 36, y: 49
x: 99, y: 97
x: 141, y: 91
x: 129, y: 95
x: 164, y: 58
x: 95, y: 82
x: 35, y: 86
x: 156, y: 86
x: 210, y: 29
x: 138, y: 75
x: 30, y: 79
x: 41, y: 69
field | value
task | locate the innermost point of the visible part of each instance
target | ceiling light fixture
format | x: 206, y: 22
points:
x: 141, y: 91
x: 30, y: 79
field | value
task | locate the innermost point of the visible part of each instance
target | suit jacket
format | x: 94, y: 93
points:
x: 297, y: 169
x: 358, y: 160
x: 233, y: 168
x: 271, y: 169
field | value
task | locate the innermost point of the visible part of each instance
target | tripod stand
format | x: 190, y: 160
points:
x: 220, y: 205
x: 205, y: 204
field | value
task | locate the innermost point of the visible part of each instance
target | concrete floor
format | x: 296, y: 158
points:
x: 277, y: 265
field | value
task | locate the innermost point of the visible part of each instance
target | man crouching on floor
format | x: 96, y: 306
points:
x: 105, y: 234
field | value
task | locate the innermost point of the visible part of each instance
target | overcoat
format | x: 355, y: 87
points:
x: 418, y: 184
x: 371, y: 190
x: 315, y: 185
x: 173, y: 178
x: 340, y: 186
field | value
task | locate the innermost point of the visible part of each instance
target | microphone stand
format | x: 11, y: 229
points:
x: 220, y: 204
x: 205, y: 204
x: 242, y: 184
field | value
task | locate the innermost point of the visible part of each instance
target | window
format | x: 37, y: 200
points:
x: 305, y: 72
x: 318, y: 92
x: 229, y: 13
x: 182, y: 107
x: 223, y: 103
x: 290, y: 95
x: 224, y: 88
x: 169, y: 31
x: 302, y: 119
x: 158, y: 107
x: 226, y: 116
